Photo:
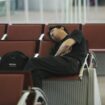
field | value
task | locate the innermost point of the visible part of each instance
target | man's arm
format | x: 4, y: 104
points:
x: 65, y: 47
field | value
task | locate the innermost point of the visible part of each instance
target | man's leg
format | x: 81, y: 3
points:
x: 38, y: 76
x: 42, y: 68
x: 38, y: 73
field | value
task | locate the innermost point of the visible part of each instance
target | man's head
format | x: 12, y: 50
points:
x: 57, y: 32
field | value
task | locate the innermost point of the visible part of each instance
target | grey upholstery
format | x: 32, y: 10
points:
x: 73, y: 92
x: 100, y: 57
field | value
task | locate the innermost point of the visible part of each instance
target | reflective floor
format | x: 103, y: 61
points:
x: 93, y: 15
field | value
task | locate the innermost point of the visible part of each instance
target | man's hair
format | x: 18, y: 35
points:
x: 55, y: 26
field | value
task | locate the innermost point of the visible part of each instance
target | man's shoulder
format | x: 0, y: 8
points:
x: 76, y: 31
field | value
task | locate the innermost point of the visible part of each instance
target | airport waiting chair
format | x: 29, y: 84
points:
x: 73, y: 91
x: 3, y: 29
x: 11, y: 86
x: 79, y: 89
x: 69, y: 27
x: 45, y: 48
x: 27, y: 82
x: 26, y: 47
x: 95, y: 34
x: 27, y: 32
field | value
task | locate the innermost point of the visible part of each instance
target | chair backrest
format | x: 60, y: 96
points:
x: 11, y: 86
x: 95, y: 34
x: 3, y: 28
x: 69, y: 27
x: 27, y: 77
x: 26, y: 47
x: 45, y: 48
x: 24, y: 31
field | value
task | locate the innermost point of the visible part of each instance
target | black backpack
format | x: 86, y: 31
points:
x: 13, y: 61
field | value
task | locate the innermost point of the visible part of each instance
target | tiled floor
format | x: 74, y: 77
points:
x: 96, y: 15
x: 93, y: 15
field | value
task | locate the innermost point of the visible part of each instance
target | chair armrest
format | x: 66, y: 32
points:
x: 41, y: 37
x: 0, y: 57
x: 4, y: 37
x: 93, y: 60
x: 85, y: 64
x: 36, y: 55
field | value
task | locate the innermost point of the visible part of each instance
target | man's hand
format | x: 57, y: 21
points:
x: 65, y: 47
x: 66, y: 51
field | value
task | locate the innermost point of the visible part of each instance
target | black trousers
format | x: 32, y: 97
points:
x: 45, y: 67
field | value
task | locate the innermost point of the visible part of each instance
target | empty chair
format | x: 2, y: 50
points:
x: 3, y: 28
x: 11, y: 86
x: 24, y: 31
x: 95, y: 34
x: 69, y: 27
x: 26, y: 47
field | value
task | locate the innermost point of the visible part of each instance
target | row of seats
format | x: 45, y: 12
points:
x: 94, y: 33
x: 21, y: 35
x: 42, y: 47
x: 29, y: 31
x: 22, y: 31
x: 26, y: 47
x: 67, y: 90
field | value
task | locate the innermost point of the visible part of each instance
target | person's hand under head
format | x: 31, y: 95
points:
x: 58, y: 34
